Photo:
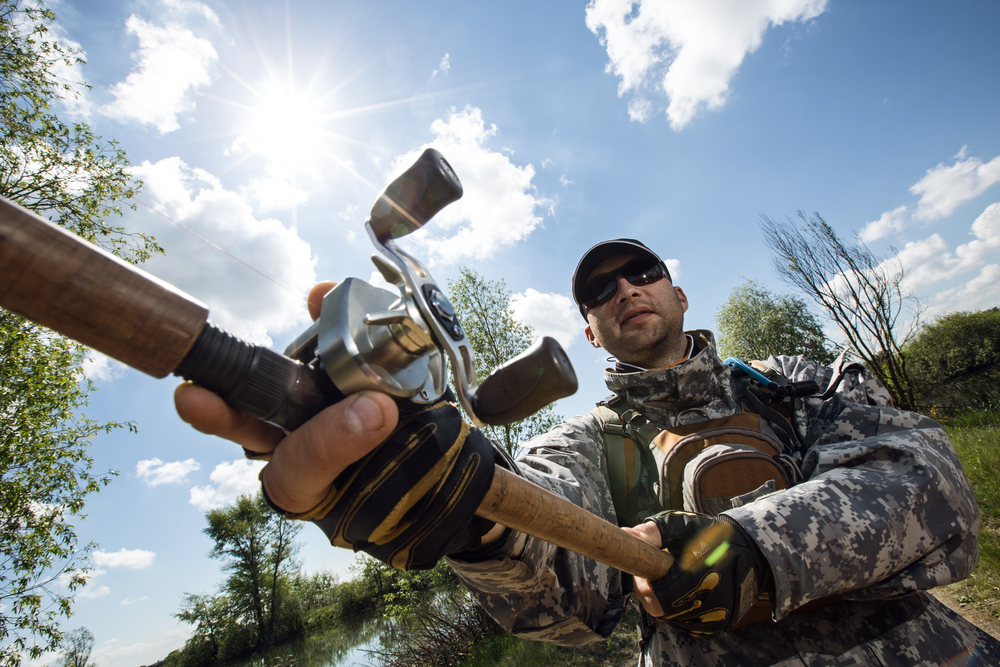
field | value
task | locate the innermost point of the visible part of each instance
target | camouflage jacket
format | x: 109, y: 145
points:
x: 884, y: 513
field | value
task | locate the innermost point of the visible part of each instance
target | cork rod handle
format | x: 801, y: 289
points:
x: 517, y: 503
x: 62, y: 282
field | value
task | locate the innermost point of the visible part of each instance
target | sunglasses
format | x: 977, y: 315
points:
x: 637, y: 272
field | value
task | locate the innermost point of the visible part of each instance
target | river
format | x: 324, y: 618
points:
x: 347, y: 645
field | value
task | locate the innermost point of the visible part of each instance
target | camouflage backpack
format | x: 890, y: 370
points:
x: 713, y: 465
x: 708, y: 466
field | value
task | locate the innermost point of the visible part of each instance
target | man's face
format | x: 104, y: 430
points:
x: 641, y: 325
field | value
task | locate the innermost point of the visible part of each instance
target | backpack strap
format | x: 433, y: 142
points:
x: 780, y: 416
x: 624, y: 447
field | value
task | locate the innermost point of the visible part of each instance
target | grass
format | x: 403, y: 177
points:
x: 976, y: 437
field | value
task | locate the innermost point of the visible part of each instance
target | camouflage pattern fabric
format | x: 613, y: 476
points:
x: 884, y: 514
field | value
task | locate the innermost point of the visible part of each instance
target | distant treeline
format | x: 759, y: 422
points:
x: 267, y: 601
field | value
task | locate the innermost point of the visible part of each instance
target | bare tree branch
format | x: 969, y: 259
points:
x: 859, y: 291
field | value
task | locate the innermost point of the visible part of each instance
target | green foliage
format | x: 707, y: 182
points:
x: 400, y: 593
x: 256, y: 607
x: 955, y: 360
x: 45, y: 477
x: 68, y: 174
x: 58, y: 170
x: 756, y: 324
x: 496, y: 336
x: 77, y: 646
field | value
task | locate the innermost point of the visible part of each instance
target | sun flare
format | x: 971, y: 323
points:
x: 286, y: 128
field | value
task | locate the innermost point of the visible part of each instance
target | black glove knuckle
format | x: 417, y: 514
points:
x: 412, y: 500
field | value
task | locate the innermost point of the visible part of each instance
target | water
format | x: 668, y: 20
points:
x: 343, y: 646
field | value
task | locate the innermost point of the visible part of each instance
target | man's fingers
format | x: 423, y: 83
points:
x: 315, y: 299
x: 649, y: 533
x: 301, y: 471
x: 208, y: 413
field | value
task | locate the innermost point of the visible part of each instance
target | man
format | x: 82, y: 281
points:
x: 884, y: 511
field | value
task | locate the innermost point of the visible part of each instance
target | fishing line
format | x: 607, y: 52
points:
x: 220, y: 249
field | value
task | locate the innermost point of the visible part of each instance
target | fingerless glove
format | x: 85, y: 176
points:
x: 413, y: 499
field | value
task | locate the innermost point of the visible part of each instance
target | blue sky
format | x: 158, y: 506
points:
x: 268, y: 128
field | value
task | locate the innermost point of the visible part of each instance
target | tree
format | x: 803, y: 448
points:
x: 257, y: 547
x: 859, y: 291
x: 77, y: 646
x: 58, y: 170
x: 66, y: 173
x: 495, y: 335
x: 955, y: 360
x: 45, y: 477
x: 211, y: 617
x: 756, y: 324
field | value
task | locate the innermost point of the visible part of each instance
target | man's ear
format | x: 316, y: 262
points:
x: 590, y: 337
x: 683, y: 298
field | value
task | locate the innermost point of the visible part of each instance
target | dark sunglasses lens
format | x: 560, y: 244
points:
x: 599, y: 291
x: 642, y: 272
x: 603, y: 287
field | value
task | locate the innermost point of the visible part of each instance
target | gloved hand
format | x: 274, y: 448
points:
x: 718, y: 573
x: 412, y: 500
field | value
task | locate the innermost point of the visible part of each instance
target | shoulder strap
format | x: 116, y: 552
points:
x: 776, y: 417
x: 624, y: 456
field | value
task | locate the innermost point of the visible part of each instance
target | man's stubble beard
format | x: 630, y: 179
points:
x: 648, y: 349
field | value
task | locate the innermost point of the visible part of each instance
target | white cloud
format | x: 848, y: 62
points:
x: 945, y: 188
x: 274, y: 191
x: 674, y: 267
x: 689, y: 51
x: 76, y: 100
x: 155, y: 472
x: 231, y: 480
x: 128, y: 601
x: 546, y: 163
x: 134, y: 559
x: 552, y: 315
x: 171, y: 62
x: 564, y: 181
x: 983, y: 291
x: 97, y: 366
x: 241, y: 300
x: 140, y: 652
x: 443, y: 66
x: 930, y: 260
x: 92, y: 593
x: 640, y: 109
x: 186, y: 7
x: 498, y: 205
x: 891, y: 221
x: 376, y: 280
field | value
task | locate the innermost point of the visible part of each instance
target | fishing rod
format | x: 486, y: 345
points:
x: 366, y: 338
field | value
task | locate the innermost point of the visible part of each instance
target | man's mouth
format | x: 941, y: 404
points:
x: 635, y: 316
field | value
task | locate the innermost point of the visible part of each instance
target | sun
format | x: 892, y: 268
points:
x: 286, y: 128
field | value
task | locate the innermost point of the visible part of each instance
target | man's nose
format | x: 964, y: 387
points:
x: 622, y: 288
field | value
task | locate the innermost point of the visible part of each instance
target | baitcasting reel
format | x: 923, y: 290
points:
x: 368, y: 338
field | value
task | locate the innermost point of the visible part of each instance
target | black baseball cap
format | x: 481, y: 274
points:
x: 602, y: 251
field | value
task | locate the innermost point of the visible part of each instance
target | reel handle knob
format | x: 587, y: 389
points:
x: 525, y: 384
x: 415, y: 197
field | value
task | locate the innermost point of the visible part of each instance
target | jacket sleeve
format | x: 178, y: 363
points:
x: 539, y: 591
x: 885, y: 508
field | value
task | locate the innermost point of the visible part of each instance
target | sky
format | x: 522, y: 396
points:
x: 263, y: 131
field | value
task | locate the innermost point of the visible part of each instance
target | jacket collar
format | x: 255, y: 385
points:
x: 695, y: 390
